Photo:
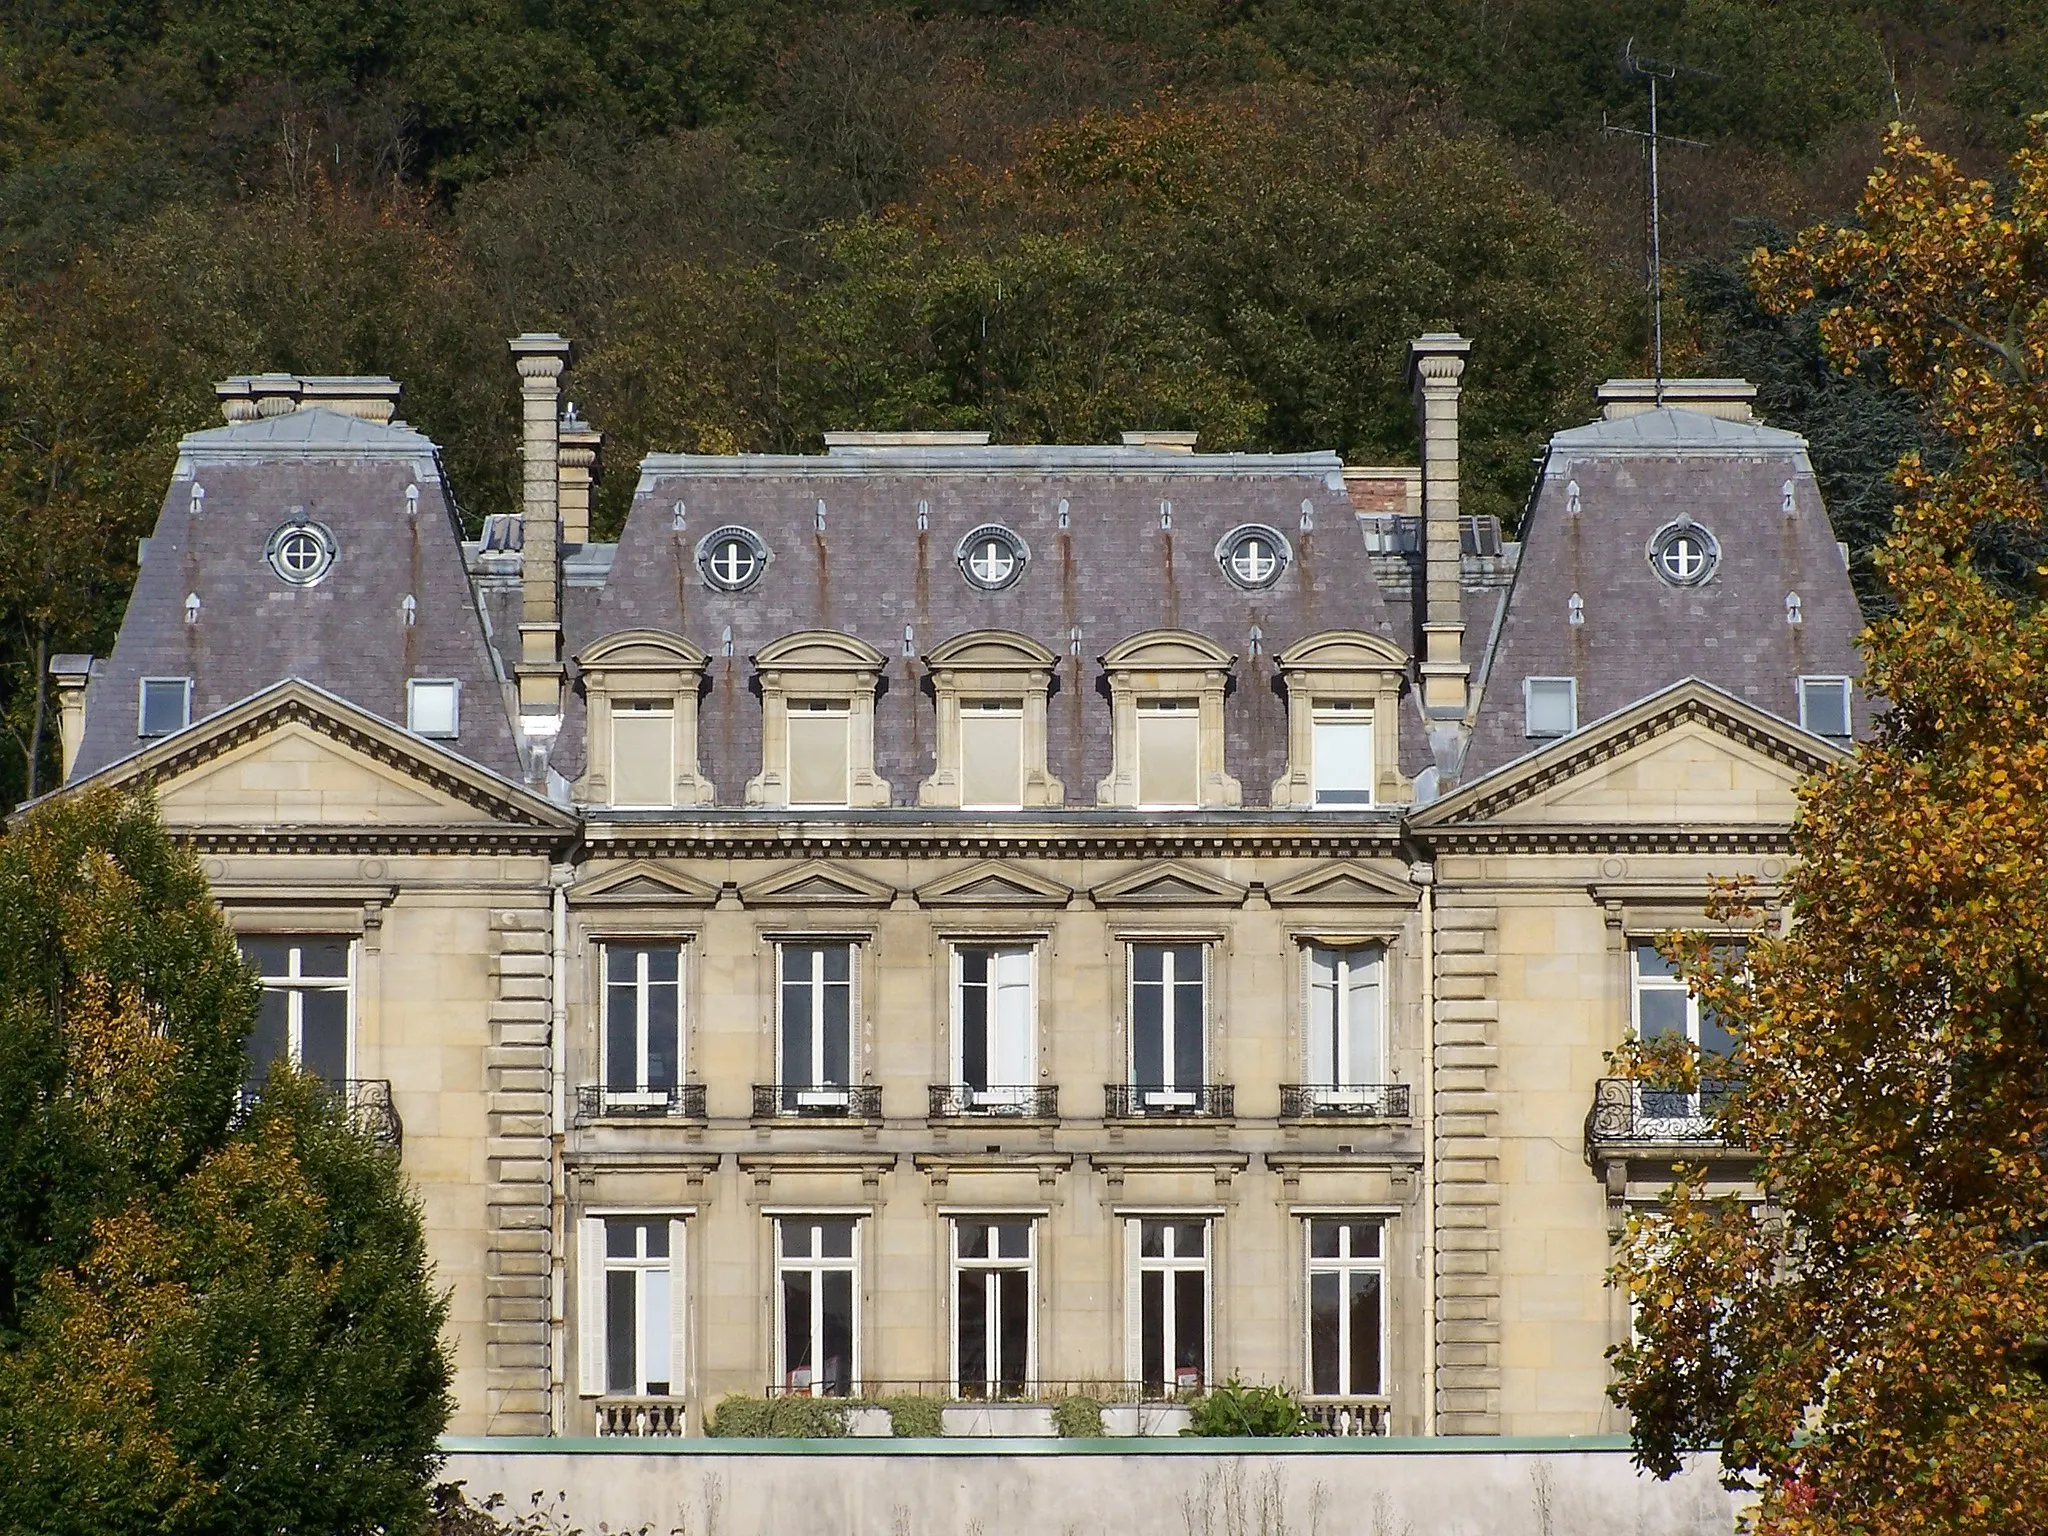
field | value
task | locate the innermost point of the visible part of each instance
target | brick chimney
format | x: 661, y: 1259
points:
x: 1436, y: 362
x: 540, y: 359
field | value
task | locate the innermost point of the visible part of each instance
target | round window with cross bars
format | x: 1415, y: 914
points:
x: 731, y: 559
x: 992, y: 557
x: 1684, y: 554
x: 1253, y: 556
x: 301, y: 552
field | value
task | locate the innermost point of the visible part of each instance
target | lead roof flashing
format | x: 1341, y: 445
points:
x: 1671, y: 432
x: 312, y: 432
x: 848, y: 463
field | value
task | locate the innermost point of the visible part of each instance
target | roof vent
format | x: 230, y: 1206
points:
x: 680, y: 520
x: 409, y: 610
x: 1792, y: 613
x: 191, y: 607
x: 198, y: 504
x: 1729, y: 399
x: 1308, y: 515
x: 1575, y: 609
x: 1163, y: 442
x: 924, y: 516
x: 412, y: 501
x: 1789, y: 502
x: 1571, y: 498
x: 1066, y: 520
x: 1166, y: 514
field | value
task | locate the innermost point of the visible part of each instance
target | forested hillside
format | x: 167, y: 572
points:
x: 762, y: 218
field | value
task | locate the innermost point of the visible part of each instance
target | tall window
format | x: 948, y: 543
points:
x: 1666, y: 1007
x: 1824, y: 706
x: 643, y: 753
x: 818, y: 753
x: 643, y: 1010
x: 1171, y: 1348
x: 992, y: 1041
x: 992, y: 754
x: 1169, y: 1016
x: 992, y: 1307
x: 816, y: 1030
x: 642, y: 1265
x: 1169, y: 741
x: 1346, y: 1309
x: 1342, y: 773
x: 304, y: 1014
x: 1346, y: 1038
x: 817, y: 1269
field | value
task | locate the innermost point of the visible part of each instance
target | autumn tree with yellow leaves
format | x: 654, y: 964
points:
x: 1867, y: 1344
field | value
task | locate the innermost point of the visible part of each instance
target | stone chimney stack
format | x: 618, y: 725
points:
x: 541, y: 358
x: 579, y: 446
x: 1435, y: 364
x: 71, y: 674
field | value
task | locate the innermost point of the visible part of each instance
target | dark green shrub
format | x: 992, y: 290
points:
x: 740, y: 1416
x: 1236, y: 1408
x: 914, y: 1418
x: 1077, y: 1418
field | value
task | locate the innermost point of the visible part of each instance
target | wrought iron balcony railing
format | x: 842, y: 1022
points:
x: 817, y: 1101
x: 1357, y: 1101
x: 1158, y: 1101
x: 683, y: 1101
x: 1628, y: 1110
x: 963, y: 1101
x: 367, y: 1100
x: 640, y: 1417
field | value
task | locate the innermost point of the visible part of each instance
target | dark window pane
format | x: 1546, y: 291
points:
x: 1365, y: 1239
x: 838, y: 960
x: 1190, y: 1318
x: 323, y: 1035
x: 621, y: 963
x: 619, y: 1238
x: 836, y: 1346
x: 621, y: 1332
x: 1365, y: 1334
x: 1650, y: 963
x: 973, y: 967
x: 973, y: 1239
x: 838, y: 1032
x: 1187, y: 1033
x: 323, y: 957
x: 271, y: 1038
x: 663, y: 964
x: 271, y: 957
x: 1014, y: 1240
x: 1323, y: 1237
x: 972, y: 1311
x: 1152, y: 1329
x: 1715, y: 1037
x: 1148, y: 962
x: 796, y: 1328
x: 1660, y: 1012
x: 1152, y: 1239
x: 621, y: 1038
x: 796, y: 1239
x: 974, y: 1018
x: 1188, y: 1239
x: 1013, y: 1325
x: 835, y: 1239
x: 657, y: 1238
x: 1323, y: 1335
x: 1148, y: 1035
x: 664, y: 1047
x: 796, y: 1032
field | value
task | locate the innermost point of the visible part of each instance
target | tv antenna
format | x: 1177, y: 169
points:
x: 1652, y: 71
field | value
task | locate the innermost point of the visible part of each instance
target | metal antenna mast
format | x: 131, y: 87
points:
x: 1652, y: 71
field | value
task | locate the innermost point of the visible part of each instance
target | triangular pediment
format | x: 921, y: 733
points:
x: 817, y: 883
x: 1344, y: 883
x: 296, y: 757
x: 993, y: 884
x: 1688, y: 756
x: 641, y: 881
x: 1169, y: 883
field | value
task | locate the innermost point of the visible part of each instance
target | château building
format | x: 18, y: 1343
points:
x: 982, y: 920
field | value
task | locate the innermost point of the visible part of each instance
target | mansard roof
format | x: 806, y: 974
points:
x: 1605, y: 493
x: 379, y: 490
x: 867, y: 541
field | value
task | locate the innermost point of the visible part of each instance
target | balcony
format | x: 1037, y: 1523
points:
x: 639, y: 1417
x: 1155, y: 1101
x: 1628, y: 1111
x: 1360, y: 1101
x: 818, y: 1101
x: 1347, y: 1416
x: 594, y: 1101
x: 366, y: 1100
x: 963, y: 1101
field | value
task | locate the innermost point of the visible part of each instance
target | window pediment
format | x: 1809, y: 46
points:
x: 818, y: 650
x: 1346, y: 650
x: 1166, y: 650
x: 641, y: 650
x: 991, y: 650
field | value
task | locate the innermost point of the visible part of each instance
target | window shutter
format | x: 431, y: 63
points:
x: 1319, y: 987
x: 678, y: 1306
x: 1365, y: 1051
x: 1012, y: 1064
x: 1134, y: 1344
x: 590, y: 1307
x: 643, y: 756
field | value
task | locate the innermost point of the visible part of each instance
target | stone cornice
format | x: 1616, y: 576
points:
x: 1057, y: 835
x: 1680, y: 837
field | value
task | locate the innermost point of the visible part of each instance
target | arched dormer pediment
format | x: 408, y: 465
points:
x: 989, y: 650
x: 1166, y: 650
x: 641, y: 650
x: 818, y: 650
x: 1346, y: 650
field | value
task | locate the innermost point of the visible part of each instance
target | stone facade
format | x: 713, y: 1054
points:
x: 1271, y: 987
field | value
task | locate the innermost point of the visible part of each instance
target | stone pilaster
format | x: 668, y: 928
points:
x: 1465, y: 1068
x: 520, y: 1171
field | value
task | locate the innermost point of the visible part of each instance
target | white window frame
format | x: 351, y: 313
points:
x: 988, y: 1268
x: 1694, y: 1011
x: 295, y: 985
x: 1358, y: 716
x: 1848, y: 704
x: 1165, y: 1095
x: 413, y: 687
x: 1137, y: 1266
x: 593, y: 1334
x: 830, y: 708
x: 641, y: 1095
x: 1344, y: 1082
x: 1344, y: 1267
x: 142, y: 707
x: 632, y: 709
x: 995, y: 1093
x: 1175, y: 706
x: 998, y: 709
x: 1528, y: 707
x: 817, y: 1266
x: 812, y: 1092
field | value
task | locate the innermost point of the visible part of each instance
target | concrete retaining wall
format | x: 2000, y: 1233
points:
x: 1442, y: 1487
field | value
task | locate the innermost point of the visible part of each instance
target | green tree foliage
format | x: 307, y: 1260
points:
x: 207, y: 1327
x: 1240, y: 1408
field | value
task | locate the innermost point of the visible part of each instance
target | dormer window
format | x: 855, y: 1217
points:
x: 731, y: 559
x: 1169, y: 748
x: 1683, y: 553
x: 1344, y: 765
x: 1824, y: 707
x: 817, y: 753
x: 818, y: 724
x: 433, y: 706
x: 990, y: 688
x: 166, y: 706
x: 992, y: 557
x: 1550, y: 706
x: 1253, y: 556
x: 301, y: 552
x: 1343, y: 716
x: 1166, y: 723
x: 640, y: 689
